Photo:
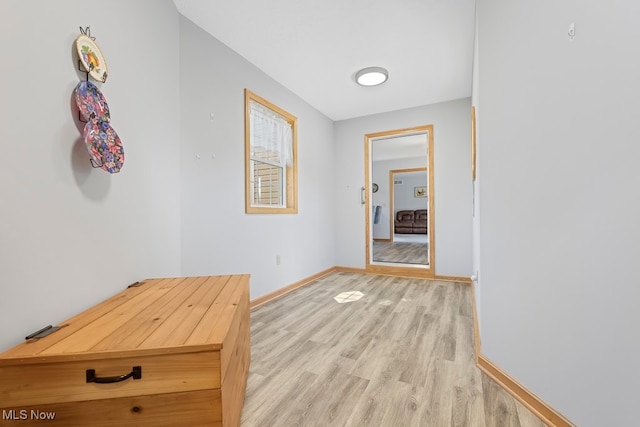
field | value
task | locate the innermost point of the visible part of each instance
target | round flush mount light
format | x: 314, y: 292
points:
x: 372, y: 76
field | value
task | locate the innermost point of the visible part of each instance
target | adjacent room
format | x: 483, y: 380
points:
x: 209, y: 218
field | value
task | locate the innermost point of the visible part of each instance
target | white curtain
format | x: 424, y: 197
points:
x: 270, y: 131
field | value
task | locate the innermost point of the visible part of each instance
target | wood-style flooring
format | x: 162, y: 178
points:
x: 402, y: 355
x: 401, y: 252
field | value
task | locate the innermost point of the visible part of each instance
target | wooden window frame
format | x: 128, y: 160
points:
x: 291, y: 172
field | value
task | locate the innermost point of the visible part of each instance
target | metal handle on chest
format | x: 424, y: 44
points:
x: 136, y: 374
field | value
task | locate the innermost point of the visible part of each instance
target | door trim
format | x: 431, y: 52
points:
x: 400, y: 269
x: 392, y: 189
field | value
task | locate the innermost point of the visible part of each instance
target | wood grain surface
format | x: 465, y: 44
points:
x: 190, y: 338
x: 187, y: 314
x: 402, y: 355
x: 401, y: 252
x: 195, y: 408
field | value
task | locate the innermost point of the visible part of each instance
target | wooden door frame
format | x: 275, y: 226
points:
x: 402, y: 269
x: 392, y: 199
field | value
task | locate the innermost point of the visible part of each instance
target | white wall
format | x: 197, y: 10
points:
x: 452, y: 192
x: 70, y: 235
x: 560, y: 202
x: 217, y: 236
x: 404, y: 193
x: 475, y: 101
x: 380, y: 175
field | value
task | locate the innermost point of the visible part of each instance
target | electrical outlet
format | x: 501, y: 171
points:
x: 277, y: 259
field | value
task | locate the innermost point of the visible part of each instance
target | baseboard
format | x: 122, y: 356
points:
x: 476, y: 327
x: 292, y: 287
x: 376, y: 239
x: 351, y: 270
x: 528, y: 399
x: 383, y: 270
x: 300, y: 283
x: 418, y: 274
x: 543, y: 411
x: 459, y: 279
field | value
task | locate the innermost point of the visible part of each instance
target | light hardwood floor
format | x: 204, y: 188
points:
x: 402, y: 355
x: 401, y: 252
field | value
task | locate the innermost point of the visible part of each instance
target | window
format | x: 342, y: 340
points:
x: 270, y: 157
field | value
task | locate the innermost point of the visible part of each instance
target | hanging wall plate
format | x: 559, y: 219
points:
x: 91, y: 58
x: 104, y: 146
x: 91, y: 102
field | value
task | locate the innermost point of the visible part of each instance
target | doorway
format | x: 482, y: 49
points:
x: 400, y: 202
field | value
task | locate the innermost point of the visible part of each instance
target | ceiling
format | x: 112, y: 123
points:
x: 314, y: 48
x: 400, y: 147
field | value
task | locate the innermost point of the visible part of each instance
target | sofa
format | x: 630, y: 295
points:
x: 411, y: 222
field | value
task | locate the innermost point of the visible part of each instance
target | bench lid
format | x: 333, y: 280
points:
x: 157, y: 316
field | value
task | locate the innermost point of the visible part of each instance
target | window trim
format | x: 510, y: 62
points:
x: 291, y: 185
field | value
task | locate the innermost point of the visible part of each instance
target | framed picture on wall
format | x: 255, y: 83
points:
x: 420, y: 191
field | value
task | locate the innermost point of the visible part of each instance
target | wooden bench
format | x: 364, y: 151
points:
x: 164, y: 352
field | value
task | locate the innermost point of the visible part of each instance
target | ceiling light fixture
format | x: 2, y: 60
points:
x: 372, y: 76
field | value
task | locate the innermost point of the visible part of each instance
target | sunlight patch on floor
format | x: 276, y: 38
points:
x: 348, y: 297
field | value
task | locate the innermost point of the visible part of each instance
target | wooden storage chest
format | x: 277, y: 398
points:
x: 187, y: 339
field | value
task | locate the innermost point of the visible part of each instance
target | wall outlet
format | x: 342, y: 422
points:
x: 277, y: 259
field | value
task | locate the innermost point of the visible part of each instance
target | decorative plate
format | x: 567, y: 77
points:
x: 91, y: 102
x: 104, y: 145
x: 91, y: 58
